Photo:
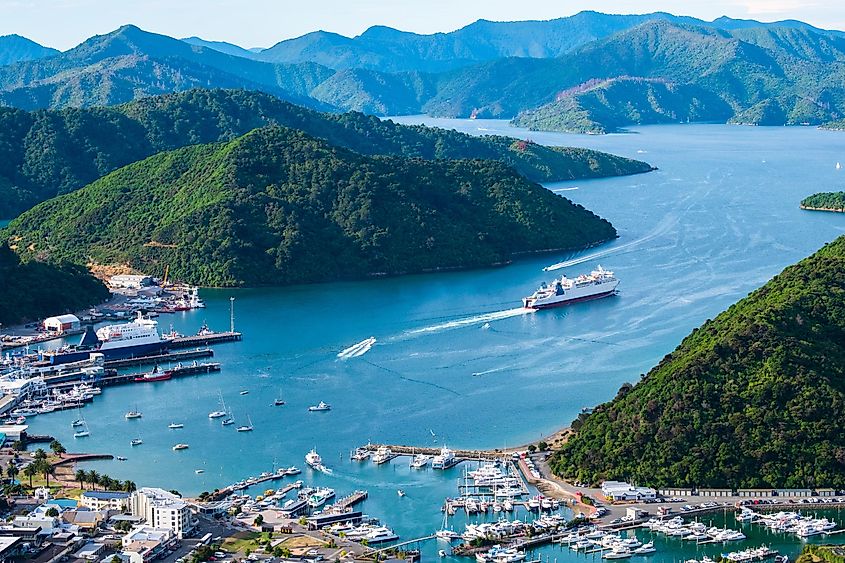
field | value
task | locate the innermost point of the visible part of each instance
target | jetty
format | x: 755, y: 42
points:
x: 461, y: 455
x: 160, y: 358
x: 351, y: 500
x: 120, y: 379
x: 205, y: 339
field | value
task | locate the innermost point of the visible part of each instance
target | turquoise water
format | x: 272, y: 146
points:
x: 454, y: 360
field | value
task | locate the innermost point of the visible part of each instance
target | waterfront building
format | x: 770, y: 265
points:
x: 62, y: 323
x: 621, y: 491
x: 147, y: 542
x: 162, y: 510
x: 105, y: 500
x: 130, y: 281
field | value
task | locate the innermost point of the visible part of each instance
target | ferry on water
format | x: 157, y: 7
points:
x: 599, y: 283
x: 138, y: 337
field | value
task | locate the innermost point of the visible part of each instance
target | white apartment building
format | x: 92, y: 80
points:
x: 162, y: 510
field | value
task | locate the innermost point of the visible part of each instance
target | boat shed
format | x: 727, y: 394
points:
x: 130, y: 281
x: 794, y: 492
x: 62, y: 323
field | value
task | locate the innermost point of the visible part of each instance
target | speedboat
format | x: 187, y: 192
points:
x: 645, y: 549
x: 175, y: 425
x: 133, y: 414
x: 120, y: 458
x: 400, y: 492
x: 136, y: 442
x: 245, y: 392
x: 618, y: 553
x: 198, y: 471
x: 178, y: 447
x: 320, y: 407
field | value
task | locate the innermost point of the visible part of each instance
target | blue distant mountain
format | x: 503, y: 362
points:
x: 14, y: 49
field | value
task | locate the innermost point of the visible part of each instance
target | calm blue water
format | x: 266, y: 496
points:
x: 717, y: 220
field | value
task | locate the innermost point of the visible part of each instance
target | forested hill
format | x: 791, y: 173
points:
x: 45, y: 153
x: 277, y: 206
x: 33, y: 290
x: 828, y: 201
x: 753, y: 398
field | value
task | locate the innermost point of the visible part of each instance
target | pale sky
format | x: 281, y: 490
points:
x: 261, y: 23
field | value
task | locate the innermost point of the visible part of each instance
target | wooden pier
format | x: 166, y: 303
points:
x: 461, y: 455
x: 351, y: 500
x: 121, y: 379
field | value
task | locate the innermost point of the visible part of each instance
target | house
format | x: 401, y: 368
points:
x: 105, y: 500
x: 10, y: 547
x: 161, y: 509
x: 130, y: 281
x: 147, y: 542
x: 621, y: 491
x: 85, y: 518
x: 90, y: 551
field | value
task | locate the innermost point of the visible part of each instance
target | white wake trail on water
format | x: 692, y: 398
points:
x: 661, y: 229
x: 468, y: 321
x: 357, y: 350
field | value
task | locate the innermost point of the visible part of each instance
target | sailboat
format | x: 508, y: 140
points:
x: 246, y: 427
x: 220, y: 413
x: 78, y: 421
x: 229, y: 420
x: 444, y: 533
x: 84, y: 432
x: 279, y: 401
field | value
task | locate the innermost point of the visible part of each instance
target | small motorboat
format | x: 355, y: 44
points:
x: 120, y: 458
x: 400, y: 492
x: 198, y: 471
x: 136, y: 442
x: 178, y: 447
x: 320, y: 407
x: 245, y: 392
x: 442, y: 553
x: 175, y: 425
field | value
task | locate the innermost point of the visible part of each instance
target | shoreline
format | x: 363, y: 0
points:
x: 828, y: 209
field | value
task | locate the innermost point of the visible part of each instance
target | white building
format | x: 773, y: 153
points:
x: 146, y: 542
x: 104, y: 500
x: 161, y: 509
x: 130, y: 281
x: 62, y: 323
x: 621, y: 491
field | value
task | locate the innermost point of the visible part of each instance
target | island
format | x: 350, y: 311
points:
x: 826, y: 201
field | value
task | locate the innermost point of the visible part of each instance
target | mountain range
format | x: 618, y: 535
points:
x: 590, y: 72
x: 45, y: 153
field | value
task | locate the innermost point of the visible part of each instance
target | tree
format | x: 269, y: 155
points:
x: 12, y: 471
x: 45, y: 468
x: 57, y: 448
x: 30, y: 471
x: 532, y: 448
x: 18, y: 445
x: 130, y: 486
x: 93, y: 478
x: 258, y: 520
x: 80, y: 476
x: 542, y: 446
x: 40, y: 454
x: 116, y: 559
x: 52, y: 512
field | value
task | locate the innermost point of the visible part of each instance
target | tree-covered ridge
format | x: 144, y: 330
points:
x: 753, y: 398
x: 828, y: 201
x: 45, y: 153
x: 277, y: 206
x: 33, y: 289
x: 14, y: 49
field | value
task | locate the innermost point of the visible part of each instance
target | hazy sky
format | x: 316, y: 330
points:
x: 261, y: 23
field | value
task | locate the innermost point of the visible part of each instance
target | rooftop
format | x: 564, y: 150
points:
x: 106, y: 495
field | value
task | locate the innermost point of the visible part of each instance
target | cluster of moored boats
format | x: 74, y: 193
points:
x: 693, y: 531
x: 51, y: 402
x: 789, y: 522
x: 612, y: 546
x: 372, y: 532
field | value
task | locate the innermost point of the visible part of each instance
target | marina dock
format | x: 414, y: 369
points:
x: 460, y: 455
x: 351, y: 500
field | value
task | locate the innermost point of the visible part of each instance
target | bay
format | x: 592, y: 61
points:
x: 455, y: 360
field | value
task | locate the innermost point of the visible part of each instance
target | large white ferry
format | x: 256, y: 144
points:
x: 599, y: 283
x: 138, y: 337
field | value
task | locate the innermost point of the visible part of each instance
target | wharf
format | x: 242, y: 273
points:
x: 461, y: 455
x: 226, y: 491
x: 351, y: 500
x: 205, y: 339
x: 178, y: 371
x: 161, y: 358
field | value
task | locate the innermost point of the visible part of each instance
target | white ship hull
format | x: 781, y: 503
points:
x: 574, y: 295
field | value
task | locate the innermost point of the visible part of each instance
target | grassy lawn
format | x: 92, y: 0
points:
x: 240, y: 541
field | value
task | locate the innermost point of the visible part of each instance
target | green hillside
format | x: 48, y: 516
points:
x: 34, y: 290
x: 753, y: 398
x: 45, y: 153
x: 827, y: 201
x: 277, y: 206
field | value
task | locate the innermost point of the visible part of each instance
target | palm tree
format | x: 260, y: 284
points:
x: 57, y: 448
x: 105, y: 481
x: 93, y: 478
x: 12, y: 471
x: 40, y: 454
x: 130, y: 486
x: 45, y: 468
x: 80, y: 476
x: 30, y: 471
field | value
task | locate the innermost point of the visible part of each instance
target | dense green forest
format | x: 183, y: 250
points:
x: 45, y: 153
x: 33, y: 289
x: 753, y: 398
x: 828, y: 201
x: 277, y: 206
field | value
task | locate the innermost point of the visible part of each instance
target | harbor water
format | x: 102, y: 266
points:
x: 456, y: 360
